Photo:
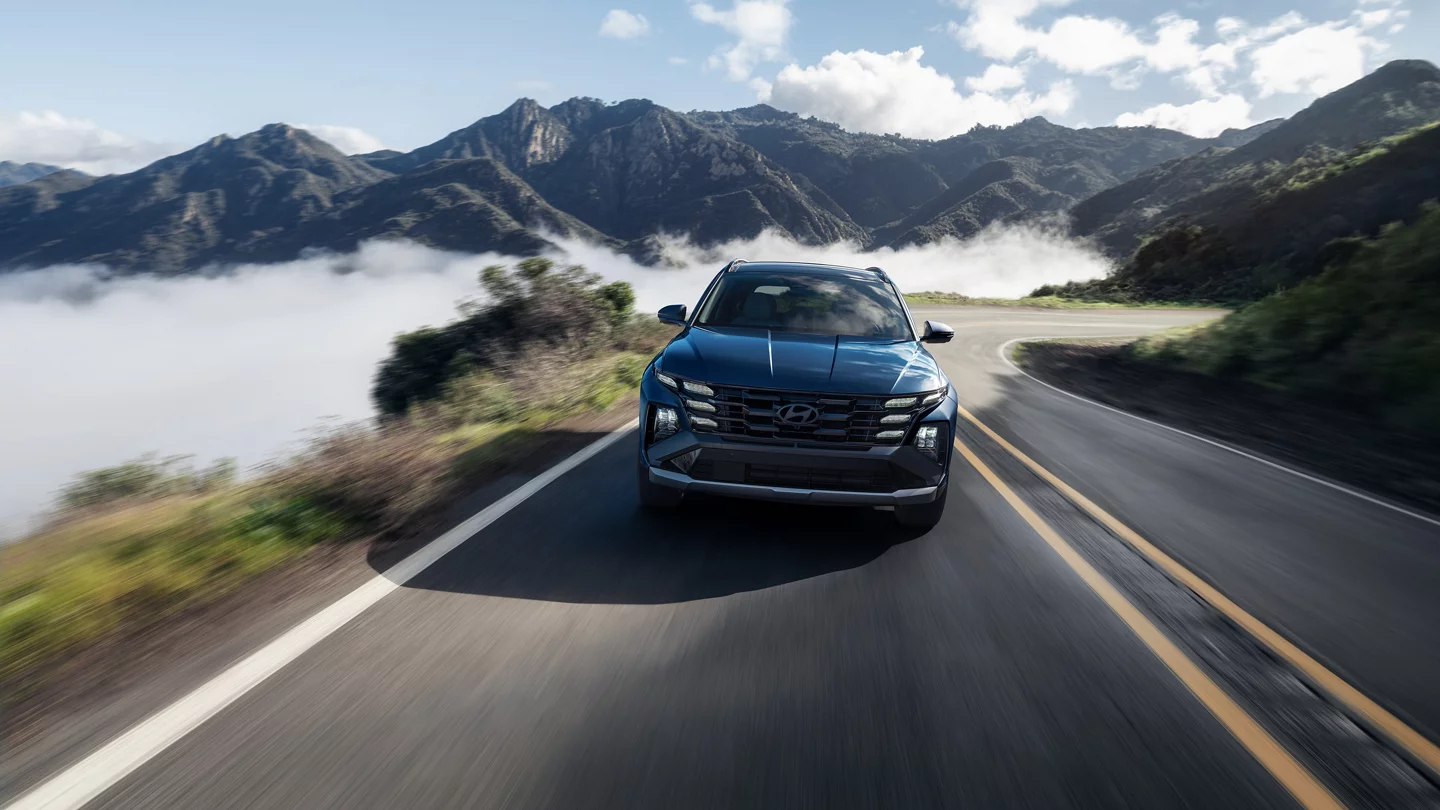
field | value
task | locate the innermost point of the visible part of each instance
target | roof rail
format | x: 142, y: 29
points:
x: 734, y: 263
x: 877, y: 271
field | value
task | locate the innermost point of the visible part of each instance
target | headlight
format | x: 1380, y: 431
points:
x: 895, y: 419
x: 699, y: 388
x: 667, y: 423
x: 890, y: 434
x: 665, y: 379
x: 702, y: 422
x: 696, y: 405
x: 909, y: 402
x: 928, y: 439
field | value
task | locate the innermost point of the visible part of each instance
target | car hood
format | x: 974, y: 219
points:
x: 824, y: 363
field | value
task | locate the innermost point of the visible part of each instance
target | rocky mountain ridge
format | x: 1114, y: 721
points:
x: 619, y: 174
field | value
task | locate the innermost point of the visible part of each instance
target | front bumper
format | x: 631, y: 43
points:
x: 868, y: 476
x: 685, y: 483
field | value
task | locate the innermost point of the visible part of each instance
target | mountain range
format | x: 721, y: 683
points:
x: 619, y: 174
x: 12, y: 174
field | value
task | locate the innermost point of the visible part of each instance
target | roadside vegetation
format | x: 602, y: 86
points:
x: 129, y: 545
x: 1043, y: 298
x: 1365, y: 333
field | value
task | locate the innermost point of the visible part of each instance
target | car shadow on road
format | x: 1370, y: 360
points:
x: 590, y: 542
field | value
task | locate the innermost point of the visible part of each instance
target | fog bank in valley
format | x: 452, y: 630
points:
x: 244, y: 363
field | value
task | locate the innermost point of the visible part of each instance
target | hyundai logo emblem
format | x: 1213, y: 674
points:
x: 798, y: 415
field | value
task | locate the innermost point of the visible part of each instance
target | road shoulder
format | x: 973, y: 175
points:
x: 1356, y: 450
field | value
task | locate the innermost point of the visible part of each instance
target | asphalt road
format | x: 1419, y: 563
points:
x: 579, y: 653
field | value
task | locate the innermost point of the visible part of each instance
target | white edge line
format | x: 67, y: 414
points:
x: 1364, y: 496
x: 101, y: 770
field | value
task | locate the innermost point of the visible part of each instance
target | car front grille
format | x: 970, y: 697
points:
x: 757, y: 414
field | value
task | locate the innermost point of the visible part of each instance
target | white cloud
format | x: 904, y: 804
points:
x: 1379, y: 16
x: 1288, y: 51
x: 350, y: 140
x: 1211, y: 73
x: 1315, y: 60
x: 1088, y: 45
x: 761, y: 28
x: 1390, y: 13
x: 1284, y: 24
x: 894, y: 92
x: 994, y: 27
x: 622, y: 24
x: 1175, y: 47
x: 1203, y: 119
x: 75, y: 143
x: 997, y: 77
x: 678, y: 61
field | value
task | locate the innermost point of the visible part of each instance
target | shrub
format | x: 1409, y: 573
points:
x: 144, y: 477
x: 530, y: 310
x: 374, y: 479
x: 1366, y: 332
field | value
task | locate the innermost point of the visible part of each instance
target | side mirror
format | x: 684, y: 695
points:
x: 936, y: 332
x: 675, y: 313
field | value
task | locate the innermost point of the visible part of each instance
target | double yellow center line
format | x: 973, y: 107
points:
x: 1285, y: 768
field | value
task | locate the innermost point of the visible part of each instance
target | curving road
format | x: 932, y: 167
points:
x: 578, y: 653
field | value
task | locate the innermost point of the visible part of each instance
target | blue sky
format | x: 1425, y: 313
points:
x: 106, y: 86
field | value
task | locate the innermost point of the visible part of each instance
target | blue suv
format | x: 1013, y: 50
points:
x: 803, y: 383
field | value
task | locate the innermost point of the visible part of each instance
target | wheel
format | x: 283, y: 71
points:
x: 923, y: 515
x: 652, y: 495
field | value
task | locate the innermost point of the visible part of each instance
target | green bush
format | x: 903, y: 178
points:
x: 145, y: 477
x: 1364, y: 333
x: 628, y: 370
x: 531, y: 309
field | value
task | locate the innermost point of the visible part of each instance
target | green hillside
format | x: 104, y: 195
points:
x: 1365, y: 333
x: 1248, y: 238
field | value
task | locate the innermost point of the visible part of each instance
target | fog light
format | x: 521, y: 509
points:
x: 890, y: 434
x: 665, y: 379
x: 698, y: 388
x: 927, y: 440
x: 895, y: 419
x: 703, y: 407
x: 902, y: 402
x: 667, y: 424
x: 702, y: 422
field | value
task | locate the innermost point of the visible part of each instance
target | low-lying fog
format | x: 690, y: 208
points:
x: 243, y: 364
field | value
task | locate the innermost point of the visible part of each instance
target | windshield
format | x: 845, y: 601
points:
x: 810, y: 303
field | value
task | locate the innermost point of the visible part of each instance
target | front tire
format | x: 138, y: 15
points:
x: 923, y: 515
x: 652, y: 495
